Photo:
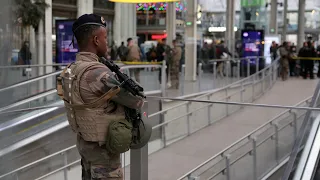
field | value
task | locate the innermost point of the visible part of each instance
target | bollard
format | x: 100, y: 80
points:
x: 182, y: 79
x: 200, y: 75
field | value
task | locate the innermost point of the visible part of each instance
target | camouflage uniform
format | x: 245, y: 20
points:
x: 174, y: 67
x: 97, y: 163
x: 284, y: 62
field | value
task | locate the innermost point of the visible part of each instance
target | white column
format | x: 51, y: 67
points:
x: 229, y: 35
x: 284, y: 29
x: 191, y: 42
x: 125, y: 22
x: 301, y: 23
x: 48, y: 41
x: 117, y: 24
x: 40, y: 52
x: 171, y: 23
x: 84, y: 7
x: 273, y: 17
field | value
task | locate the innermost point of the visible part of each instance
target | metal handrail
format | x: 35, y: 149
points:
x: 33, y: 65
x: 59, y: 72
x: 228, y: 96
x: 235, y: 83
x: 248, y: 136
x: 30, y: 99
x: 205, y: 93
x: 30, y: 81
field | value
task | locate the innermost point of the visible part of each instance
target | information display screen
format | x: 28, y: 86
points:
x: 65, y: 51
x: 253, y: 44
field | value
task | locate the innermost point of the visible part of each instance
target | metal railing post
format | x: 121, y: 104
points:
x: 238, y: 69
x: 188, y: 118
x: 263, y: 80
x: 139, y: 157
x: 257, y: 68
x: 227, y: 100
x: 209, y: 111
x: 253, y: 84
x: 248, y: 67
x: 214, y: 74
x: 276, y: 138
x: 227, y: 171
x: 182, y: 79
x: 295, y: 124
x: 65, y: 170
x: 200, y: 75
x: 254, y: 157
x: 163, y: 134
x: 241, y: 93
x: 163, y: 78
x: 227, y: 71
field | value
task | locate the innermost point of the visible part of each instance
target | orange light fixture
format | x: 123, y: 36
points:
x: 142, y: 1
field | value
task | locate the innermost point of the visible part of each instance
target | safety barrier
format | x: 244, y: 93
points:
x: 262, y: 149
x: 265, y: 150
x: 245, y: 90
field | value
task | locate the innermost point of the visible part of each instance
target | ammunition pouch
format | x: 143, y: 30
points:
x: 119, y: 136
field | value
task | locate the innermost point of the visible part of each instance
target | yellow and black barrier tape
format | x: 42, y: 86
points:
x: 138, y: 63
x: 307, y: 58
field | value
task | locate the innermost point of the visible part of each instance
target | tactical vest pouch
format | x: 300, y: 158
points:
x: 119, y: 136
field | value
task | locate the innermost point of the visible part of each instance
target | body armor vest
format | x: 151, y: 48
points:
x: 89, y: 120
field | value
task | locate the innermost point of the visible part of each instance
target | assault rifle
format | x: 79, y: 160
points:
x: 132, y: 115
x: 125, y: 81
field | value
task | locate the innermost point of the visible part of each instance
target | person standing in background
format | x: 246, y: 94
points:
x: 174, y: 64
x: 25, y: 56
x: 284, y: 61
x: 134, y: 55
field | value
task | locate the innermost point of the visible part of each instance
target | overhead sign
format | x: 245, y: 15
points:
x: 219, y: 29
x: 65, y: 51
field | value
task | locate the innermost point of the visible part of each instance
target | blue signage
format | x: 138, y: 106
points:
x: 65, y: 51
x: 253, y: 44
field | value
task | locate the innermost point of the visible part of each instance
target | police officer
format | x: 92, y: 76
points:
x: 95, y: 104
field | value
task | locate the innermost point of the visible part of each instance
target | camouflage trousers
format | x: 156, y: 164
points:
x: 97, y: 163
x: 174, y: 77
x: 284, y: 70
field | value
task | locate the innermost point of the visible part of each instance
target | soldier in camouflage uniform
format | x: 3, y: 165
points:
x: 174, y: 65
x: 93, y: 100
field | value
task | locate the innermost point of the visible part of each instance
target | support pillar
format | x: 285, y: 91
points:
x: 301, y: 23
x: 273, y: 17
x: 84, y: 7
x: 230, y: 35
x: 171, y: 23
x: 285, y: 25
x: 191, y: 41
x: 48, y: 43
x: 40, y: 52
x: 125, y: 13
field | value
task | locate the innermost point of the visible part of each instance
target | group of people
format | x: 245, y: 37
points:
x: 133, y: 53
x: 296, y: 63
